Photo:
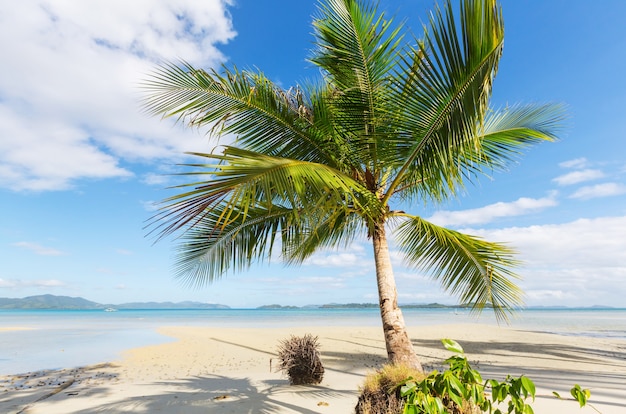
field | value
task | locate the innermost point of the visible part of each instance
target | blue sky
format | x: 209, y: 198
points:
x: 81, y: 165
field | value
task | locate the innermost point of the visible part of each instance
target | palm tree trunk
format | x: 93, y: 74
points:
x: 399, y: 347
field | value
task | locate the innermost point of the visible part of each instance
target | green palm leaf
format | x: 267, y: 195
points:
x: 314, y: 204
x: 263, y: 117
x: 507, y: 132
x: 444, y: 87
x: 357, y: 50
x: 504, y: 136
x: 475, y: 270
x: 211, y: 247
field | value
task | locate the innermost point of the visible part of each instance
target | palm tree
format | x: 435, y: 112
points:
x: 391, y: 123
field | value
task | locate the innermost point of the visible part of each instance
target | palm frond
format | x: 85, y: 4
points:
x: 331, y: 228
x: 262, y: 116
x: 511, y: 130
x: 238, y: 186
x: 477, y: 271
x: 444, y: 86
x: 356, y: 47
x: 505, y: 136
x: 212, y: 247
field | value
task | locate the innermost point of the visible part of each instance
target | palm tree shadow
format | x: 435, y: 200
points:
x: 219, y: 394
x: 545, y: 352
x: 598, y: 370
x: 342, y: 362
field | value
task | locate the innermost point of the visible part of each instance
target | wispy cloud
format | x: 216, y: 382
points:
x: 39, y: 249
x: 42, y: 283
x: 576, y: 177
x: 50, y: 283
x: 353, y: 257
x: 494, y: 211
x: 7, y: 283
x: 575, y: 163
x: 65, y: 119
x: 335, y: 260
x: 599, y: 190
x: 150, y: 206
x: 547, y: 296
x: 156, y: 179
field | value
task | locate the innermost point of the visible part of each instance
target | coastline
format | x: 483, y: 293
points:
x: 221, y: 369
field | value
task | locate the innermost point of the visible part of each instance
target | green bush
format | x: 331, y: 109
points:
x: 457, y: 390
x: 461, y: 389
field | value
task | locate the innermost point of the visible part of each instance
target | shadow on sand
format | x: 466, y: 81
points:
x: 602, y: 369
x: 218, y: 394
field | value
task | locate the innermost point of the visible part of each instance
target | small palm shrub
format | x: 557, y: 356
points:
x: 380, y: 393
x: 299, y: 358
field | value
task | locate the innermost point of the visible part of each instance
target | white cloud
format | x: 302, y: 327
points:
x: 521, y: 206
x: 547, y: 296
x: 7, y: 283
x: 50, y: 283
x: 150, y: 206
x: 575, y: 163
x: 39, y: 249
x: 576, y: 177
x: 43, y: 283
x: 581, y: 243
x: 326, y: 281
x: 354, y: 256
x: 599, y: 190
x: 69, y: 86
x: 156, y: 179
x: 335, y: 260
x: 412, y: 276
x: 577, y: 261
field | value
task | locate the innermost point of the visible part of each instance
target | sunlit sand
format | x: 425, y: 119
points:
x: 221, y: 370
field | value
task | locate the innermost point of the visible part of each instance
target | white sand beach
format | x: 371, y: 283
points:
x: 232, y: 370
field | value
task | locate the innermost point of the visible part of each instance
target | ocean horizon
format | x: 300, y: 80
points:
x: 34, y: 340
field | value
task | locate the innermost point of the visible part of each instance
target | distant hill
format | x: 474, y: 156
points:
x: 278, y: 307
x: 48, y: 302
x: 67, y: 302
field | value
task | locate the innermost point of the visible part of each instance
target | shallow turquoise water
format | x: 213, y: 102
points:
x: 58, y: 339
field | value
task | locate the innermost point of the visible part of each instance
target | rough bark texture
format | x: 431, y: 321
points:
x: 399, y: 347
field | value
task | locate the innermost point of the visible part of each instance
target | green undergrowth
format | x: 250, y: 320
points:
x: 460, y: 389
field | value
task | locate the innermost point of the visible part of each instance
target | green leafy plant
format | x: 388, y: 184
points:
x: 580, y: 394
x: 461, y: 390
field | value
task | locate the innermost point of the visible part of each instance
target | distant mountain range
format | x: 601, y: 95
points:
x: 67, y: 302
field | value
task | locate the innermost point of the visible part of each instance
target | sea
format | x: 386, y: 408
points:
x: 55, y: 339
